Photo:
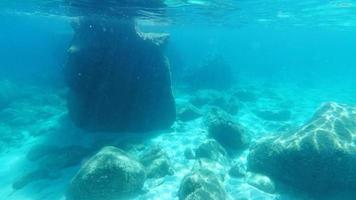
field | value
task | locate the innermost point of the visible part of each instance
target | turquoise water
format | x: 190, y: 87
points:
x: 246, y: 99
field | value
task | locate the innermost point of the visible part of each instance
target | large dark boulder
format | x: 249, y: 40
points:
x: 318, y: 158
x: 119, y: 78
x: 110, y: 174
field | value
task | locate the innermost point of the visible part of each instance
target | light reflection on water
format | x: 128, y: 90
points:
x: 334, y: 14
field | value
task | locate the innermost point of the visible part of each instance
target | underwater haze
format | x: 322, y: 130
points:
x: 177, y: 100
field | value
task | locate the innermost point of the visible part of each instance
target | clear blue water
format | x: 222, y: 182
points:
x: 288, y: 55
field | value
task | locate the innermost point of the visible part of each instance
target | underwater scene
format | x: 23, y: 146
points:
x: 177, y: 100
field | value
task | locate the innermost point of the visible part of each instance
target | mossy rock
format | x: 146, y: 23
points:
x: 110, y: 174
x: 319, y: 157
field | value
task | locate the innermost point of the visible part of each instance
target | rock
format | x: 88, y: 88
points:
x: 118, y: 77
x: 110, y: 174
x: 215, y: 74
x: 201, y: 185
x: 157, y: 163
x: 231, y: 135
x: 282, y: 115
x: 261, y: 182
x: 210, y: 149
x: 189, y: 113
x: 245, y: 96
x: 317, y: 158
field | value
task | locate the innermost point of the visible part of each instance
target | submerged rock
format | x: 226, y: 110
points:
x: 282, y: 115
x: 110, y: 174
x: 119, y: 78
x: 201, y: 185
x: 230, y: 134
x: 188, y: 113
x: 320, y: 157
x: 261, y: 182
x: 157, y: 163
x: 210, y: 149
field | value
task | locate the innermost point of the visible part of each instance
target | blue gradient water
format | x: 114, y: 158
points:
x: 293, y: 55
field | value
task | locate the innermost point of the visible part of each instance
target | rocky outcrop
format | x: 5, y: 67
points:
x: 188, y: 113
x: 201, y: 184
x: 110, y: 174
x: 118, y: 76
x: 230, y: 134
x: 318, y: 158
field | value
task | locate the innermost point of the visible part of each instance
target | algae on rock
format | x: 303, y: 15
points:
x: 319, y: 157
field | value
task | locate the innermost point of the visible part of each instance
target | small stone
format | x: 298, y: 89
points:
x: 201, y: 185
x: 261, y: 182
x: 157, y: 163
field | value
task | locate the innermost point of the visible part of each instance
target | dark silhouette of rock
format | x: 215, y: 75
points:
x: 201, y: 184
x: 319, y: 158
x: 110, y: 174
x: 119, y: 78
